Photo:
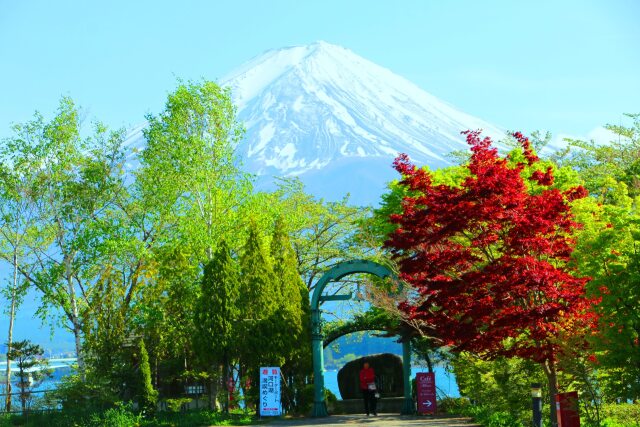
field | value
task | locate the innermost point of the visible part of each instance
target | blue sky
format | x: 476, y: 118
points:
x: 565, y: 66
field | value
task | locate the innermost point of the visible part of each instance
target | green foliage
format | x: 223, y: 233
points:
x: 607, y: 251
x: 293, y: 314
x: 123, y: 415
x: 305, y: 399
x: 499, y: 387
x: 176, y: 405
x: 32, y: 368
x: 189, y: 172
x: 488, y: 417
x: 147, y: 396
x: 621, y: 415
x: 21, y: 232
x: 201, y: 418
x: 258, y: 302
x: 322, y: 233
x: 454, y: 405
x: 165, y: 313
x: 618, y: 160
x: 117, y: 255
x: 217, y: 313
x: 119, y: 416
x: 291, y: 291
x: 69, y: 185
x: 329, y: 396
x: 374, y: 319
x: 217, y: 310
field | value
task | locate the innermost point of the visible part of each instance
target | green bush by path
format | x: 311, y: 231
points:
x: 613, y: 415
x: 124, y: 416
x: 621, y: 415
x: 453, y: 405
x: 501, y: 386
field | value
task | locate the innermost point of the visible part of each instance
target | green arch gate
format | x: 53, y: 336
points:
x: 337, y: 272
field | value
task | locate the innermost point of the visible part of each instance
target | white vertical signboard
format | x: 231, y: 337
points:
x: 270, y: 404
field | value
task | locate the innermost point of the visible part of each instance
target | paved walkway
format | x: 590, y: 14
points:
x: 383, y: 420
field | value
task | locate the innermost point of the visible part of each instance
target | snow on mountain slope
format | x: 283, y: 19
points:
x: 336, y: 120
x: 307, y: 107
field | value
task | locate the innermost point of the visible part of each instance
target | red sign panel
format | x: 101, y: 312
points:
x: 426, y: 392
x: 567, y: 409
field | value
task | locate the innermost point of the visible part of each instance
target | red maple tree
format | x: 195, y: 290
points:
x: 490, y: 257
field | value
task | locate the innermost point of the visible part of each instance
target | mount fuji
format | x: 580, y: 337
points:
x: 337, y: 120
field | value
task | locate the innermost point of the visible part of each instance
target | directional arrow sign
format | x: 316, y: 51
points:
x: 426, y: 391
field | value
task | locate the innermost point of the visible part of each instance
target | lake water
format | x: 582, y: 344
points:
x: 445, y: 381
x: 60, y: 368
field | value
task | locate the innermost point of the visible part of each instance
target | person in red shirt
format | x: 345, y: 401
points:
x: 368, y: 388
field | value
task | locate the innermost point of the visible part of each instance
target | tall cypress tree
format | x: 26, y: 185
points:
x: 217, y: 314
x: 258, y: 302
x: 293, y: 296
x: 293, y: 314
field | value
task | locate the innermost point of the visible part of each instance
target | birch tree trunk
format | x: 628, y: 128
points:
x: 12, y: 312
x: 75, y: 320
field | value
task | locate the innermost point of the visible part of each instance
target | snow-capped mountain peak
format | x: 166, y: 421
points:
x: 305, y: 107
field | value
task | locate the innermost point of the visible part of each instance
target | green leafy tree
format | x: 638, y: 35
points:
x: 189, y: 170
x: 607, y: 250
x: 328, y: 236
x: 293, y: 314
x: 20, y: 227
x: 32, y: 368
x: 217, y: 314
x: 618, y: 159
x: 502, y: 385
x: 79, y: 180
x: 258, y: 302
x: 322, y: 233
x: 111, y: 324
x: 147, y: 395
x: 165, y: 315
x: 288, y: 286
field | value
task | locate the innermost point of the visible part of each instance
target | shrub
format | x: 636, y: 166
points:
x: 453, y: 405
x: 120, y: 416
x: 619, y: 415
x: 147, y: 397
x: 488, y: 417
x: 304, y: 399
x: 331, y: 398
x: 175, y: 405
x: 5, y: 420
x: 77, y: 396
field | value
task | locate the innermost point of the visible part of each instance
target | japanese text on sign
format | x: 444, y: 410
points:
x: 270, y: 404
